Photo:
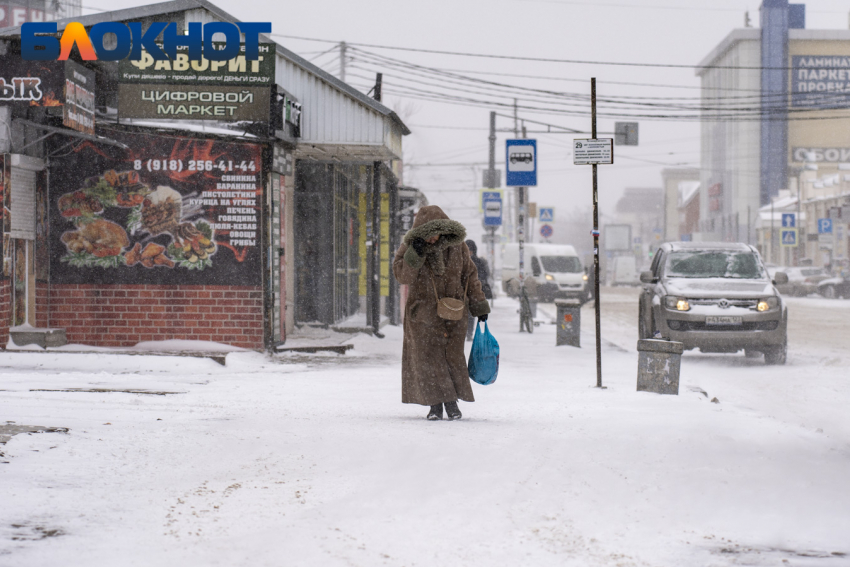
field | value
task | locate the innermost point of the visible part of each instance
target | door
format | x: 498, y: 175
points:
x: 23, y: 233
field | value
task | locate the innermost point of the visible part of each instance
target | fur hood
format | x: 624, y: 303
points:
x: 432, y: 221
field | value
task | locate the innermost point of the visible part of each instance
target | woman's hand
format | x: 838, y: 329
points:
x: 418, y: 245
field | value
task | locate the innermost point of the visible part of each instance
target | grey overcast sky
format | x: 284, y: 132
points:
x: 677, y: 32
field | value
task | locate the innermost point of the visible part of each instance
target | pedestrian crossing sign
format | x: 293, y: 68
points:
x: 547, y: 214
x: 788, y: 237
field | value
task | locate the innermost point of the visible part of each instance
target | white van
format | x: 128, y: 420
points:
x: 625, y: 271
x: 555, y: 268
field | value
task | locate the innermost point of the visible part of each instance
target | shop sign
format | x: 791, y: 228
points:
x: 168, y: 211
x: 13, y: 15
x: 79, y: 98
x: 820, y: 81
x: 183, y: 71
x: 31, y: 83
x: 821, y: 155
x: 184, y: 102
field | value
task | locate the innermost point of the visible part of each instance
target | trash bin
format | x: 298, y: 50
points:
x: 658, y: 366
x: 569, y: 322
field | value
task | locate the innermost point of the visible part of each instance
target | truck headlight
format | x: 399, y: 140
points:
x: 550, y: 278
x: 768, y: 303
x: 584, y: 277
x: 677, y: 303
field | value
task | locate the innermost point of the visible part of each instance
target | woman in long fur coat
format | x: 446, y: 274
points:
x: 434, y: 369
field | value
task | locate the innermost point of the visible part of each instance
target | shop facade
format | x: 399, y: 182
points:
x: 148, y: 220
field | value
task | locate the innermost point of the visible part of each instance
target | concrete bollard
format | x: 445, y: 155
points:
x: 569, y: 322
x: 658, y: 366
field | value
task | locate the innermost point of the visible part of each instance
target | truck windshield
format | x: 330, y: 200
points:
x: 561, y: 264
x: 713, y: 264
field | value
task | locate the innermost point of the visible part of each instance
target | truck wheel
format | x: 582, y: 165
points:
x: 829, y: 292
x: 776, y: 355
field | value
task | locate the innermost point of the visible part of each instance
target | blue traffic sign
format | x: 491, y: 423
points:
x: 789, y: 220
x: 546, y: 231
x: 824, y: 226
x: 788, y: 237
x: 491, y: 202
x: 521, y: 163
x: 547, y: 214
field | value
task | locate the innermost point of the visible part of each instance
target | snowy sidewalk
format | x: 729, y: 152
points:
x: 313, y: 461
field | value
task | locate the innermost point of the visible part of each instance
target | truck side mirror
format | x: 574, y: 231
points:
x: 648, y: 277
x: 780, y: 278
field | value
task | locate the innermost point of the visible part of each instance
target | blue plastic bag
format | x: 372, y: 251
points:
x: 484, y: 357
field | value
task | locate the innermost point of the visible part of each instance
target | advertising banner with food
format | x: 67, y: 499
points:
x: 167, y: 211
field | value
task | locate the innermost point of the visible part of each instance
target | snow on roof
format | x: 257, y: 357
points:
x: 687, y: 191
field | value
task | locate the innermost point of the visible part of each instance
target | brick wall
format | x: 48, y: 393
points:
x: 123, y: 315
x: 42, y: 304
x: 5, y: 310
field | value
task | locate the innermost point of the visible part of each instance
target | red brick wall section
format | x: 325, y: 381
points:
x: 5, y: 310
x: 121, y: 316
x: 42, y: 304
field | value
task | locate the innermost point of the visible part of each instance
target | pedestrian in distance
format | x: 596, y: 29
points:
x: 484, y: 277
x: 436, y: 264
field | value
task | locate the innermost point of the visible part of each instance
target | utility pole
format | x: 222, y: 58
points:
x: 596, y: 241
x: 374, y: 251
x: 491, y: 184
x: 520, y: 223
x: 342, y: 57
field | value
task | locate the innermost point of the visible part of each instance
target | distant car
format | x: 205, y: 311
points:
x: 802, y: 281
x: 717, y: 297
x: 832, y: 288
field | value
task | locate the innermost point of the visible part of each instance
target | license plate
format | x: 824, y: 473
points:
x: 721, y: 320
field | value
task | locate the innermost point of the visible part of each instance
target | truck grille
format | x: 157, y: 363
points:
x: 748, y: 303
x: 701, y: 326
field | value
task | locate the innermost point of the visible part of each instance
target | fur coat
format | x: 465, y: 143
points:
x: 433, y: 362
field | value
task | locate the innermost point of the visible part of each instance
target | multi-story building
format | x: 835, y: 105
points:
x: 776, y: 100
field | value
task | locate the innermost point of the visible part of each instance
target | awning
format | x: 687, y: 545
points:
x: 69, y: 132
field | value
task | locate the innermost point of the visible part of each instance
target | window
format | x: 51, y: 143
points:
x: 713, y: 264
x: 561, y: 264
x: 535, y: 266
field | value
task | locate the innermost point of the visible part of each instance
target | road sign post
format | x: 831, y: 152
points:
x: 521, y: 172
x: 788, y: 237
x: 595, y: 151
x: 789, y: 220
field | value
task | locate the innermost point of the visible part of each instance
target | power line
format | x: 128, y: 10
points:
x: 535, y: 59
x: 422, y: 71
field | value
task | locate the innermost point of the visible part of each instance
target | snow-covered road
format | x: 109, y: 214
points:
x: 313, y: 461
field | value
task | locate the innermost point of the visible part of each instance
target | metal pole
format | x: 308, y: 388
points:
x: 491, y: 184
x: 772, y: 259
x: 375, y: 251
x: 596, y: 242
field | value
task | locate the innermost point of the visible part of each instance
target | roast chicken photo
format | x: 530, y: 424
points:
x: 100, y: 238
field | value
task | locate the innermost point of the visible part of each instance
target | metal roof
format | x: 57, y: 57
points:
x: 173, y: 6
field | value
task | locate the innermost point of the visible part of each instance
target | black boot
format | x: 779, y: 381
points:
x: 453, y: 411
x: 436, y: 412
